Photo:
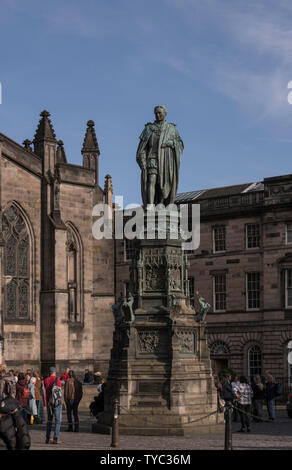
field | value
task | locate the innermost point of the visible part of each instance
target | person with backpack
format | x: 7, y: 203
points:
x: 7, y: 385
x: 72, y: 396
x: 22, y: 395
x: 53, y: 396
x: 13, y: 429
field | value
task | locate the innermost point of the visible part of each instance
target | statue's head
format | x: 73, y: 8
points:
x: 160, y: 112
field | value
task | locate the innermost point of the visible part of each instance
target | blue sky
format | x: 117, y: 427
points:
x: 220, y: 66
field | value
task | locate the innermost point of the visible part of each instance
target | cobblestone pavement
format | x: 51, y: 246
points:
x: 263, y: 436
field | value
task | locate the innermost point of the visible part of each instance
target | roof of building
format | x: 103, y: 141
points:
x: 224, y: 191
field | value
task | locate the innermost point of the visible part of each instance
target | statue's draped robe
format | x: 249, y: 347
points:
x: 168, y: 161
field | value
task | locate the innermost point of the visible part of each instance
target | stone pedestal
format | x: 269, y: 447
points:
x: 160, y: 367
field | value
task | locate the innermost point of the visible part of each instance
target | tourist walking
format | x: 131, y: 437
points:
x: 244, y: 395
x: 227, y: 392
x: 72, y: 396
x: 53, y: 396
x: 32, y: 407
x: 88, y: 377
x: 38, y: 386
x: 259, y: 395
x: 65, y: 376
x: 235, y: 383
x: 272, y: 389
x: 100, y: 385
x: 7, y: 385
x: 13, y: 429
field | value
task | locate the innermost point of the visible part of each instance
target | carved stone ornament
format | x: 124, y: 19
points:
x: 276, y: 189
x: 177, y: 387
x: 219, y: 348
x: 186, y: 341
x: 148, y: 341
x: 154, y: 278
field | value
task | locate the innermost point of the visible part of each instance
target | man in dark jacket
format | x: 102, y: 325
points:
x: 227, y: 392
x: 72, y: 395
x: 13, y: 429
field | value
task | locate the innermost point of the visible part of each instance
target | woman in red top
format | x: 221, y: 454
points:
x: 65, y: 376
x: 22, y: 395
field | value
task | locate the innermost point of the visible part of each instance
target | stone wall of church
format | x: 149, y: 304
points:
x: 70, y: 321
x: 22, y: 336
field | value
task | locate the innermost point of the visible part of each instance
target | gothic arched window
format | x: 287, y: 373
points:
x: 16, y: 265
x: 74, y: 274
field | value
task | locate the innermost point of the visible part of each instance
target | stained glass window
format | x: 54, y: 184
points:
x: 16, y: 265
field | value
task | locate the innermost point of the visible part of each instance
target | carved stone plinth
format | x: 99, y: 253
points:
x: 160, y: 366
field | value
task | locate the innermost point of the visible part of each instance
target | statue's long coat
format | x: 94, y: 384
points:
x: 168, y: 161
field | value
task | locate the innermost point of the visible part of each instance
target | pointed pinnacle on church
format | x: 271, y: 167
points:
x: 45, y: 130
x: 60, y: 154
x: 90, y: 143
x: 108, y: 185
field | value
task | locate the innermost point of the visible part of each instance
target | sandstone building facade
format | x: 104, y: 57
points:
x: 57, y: 281
x: 243, y: 267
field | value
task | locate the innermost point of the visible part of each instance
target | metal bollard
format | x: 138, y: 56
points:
x: 115, y: 426
x: 228, y: 427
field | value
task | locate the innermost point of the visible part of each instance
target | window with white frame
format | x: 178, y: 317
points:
x: 254, y: 358
x: 219, y: 289
x: 288, y: 287
x: 289, y: 233
x: 253, y: 291
x: 252, y: 235
x: 289, y: 346
x: 219, y: 238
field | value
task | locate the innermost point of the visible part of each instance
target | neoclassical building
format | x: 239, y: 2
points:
x: 57, y: 281
x: 243, y: 267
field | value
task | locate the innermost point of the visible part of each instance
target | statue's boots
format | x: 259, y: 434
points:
x: 76, y: 427
x: 70, y: 428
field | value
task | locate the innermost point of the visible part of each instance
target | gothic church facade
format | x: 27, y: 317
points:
x: 57, y: 281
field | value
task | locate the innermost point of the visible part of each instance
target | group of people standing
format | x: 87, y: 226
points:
x: 27, y: 389
x: 248, y: 399
x: 32, y: 394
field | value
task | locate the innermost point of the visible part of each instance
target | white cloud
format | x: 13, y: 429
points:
x: 248, y: 54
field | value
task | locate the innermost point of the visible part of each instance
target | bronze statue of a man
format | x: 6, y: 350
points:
x: 158, y: 155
